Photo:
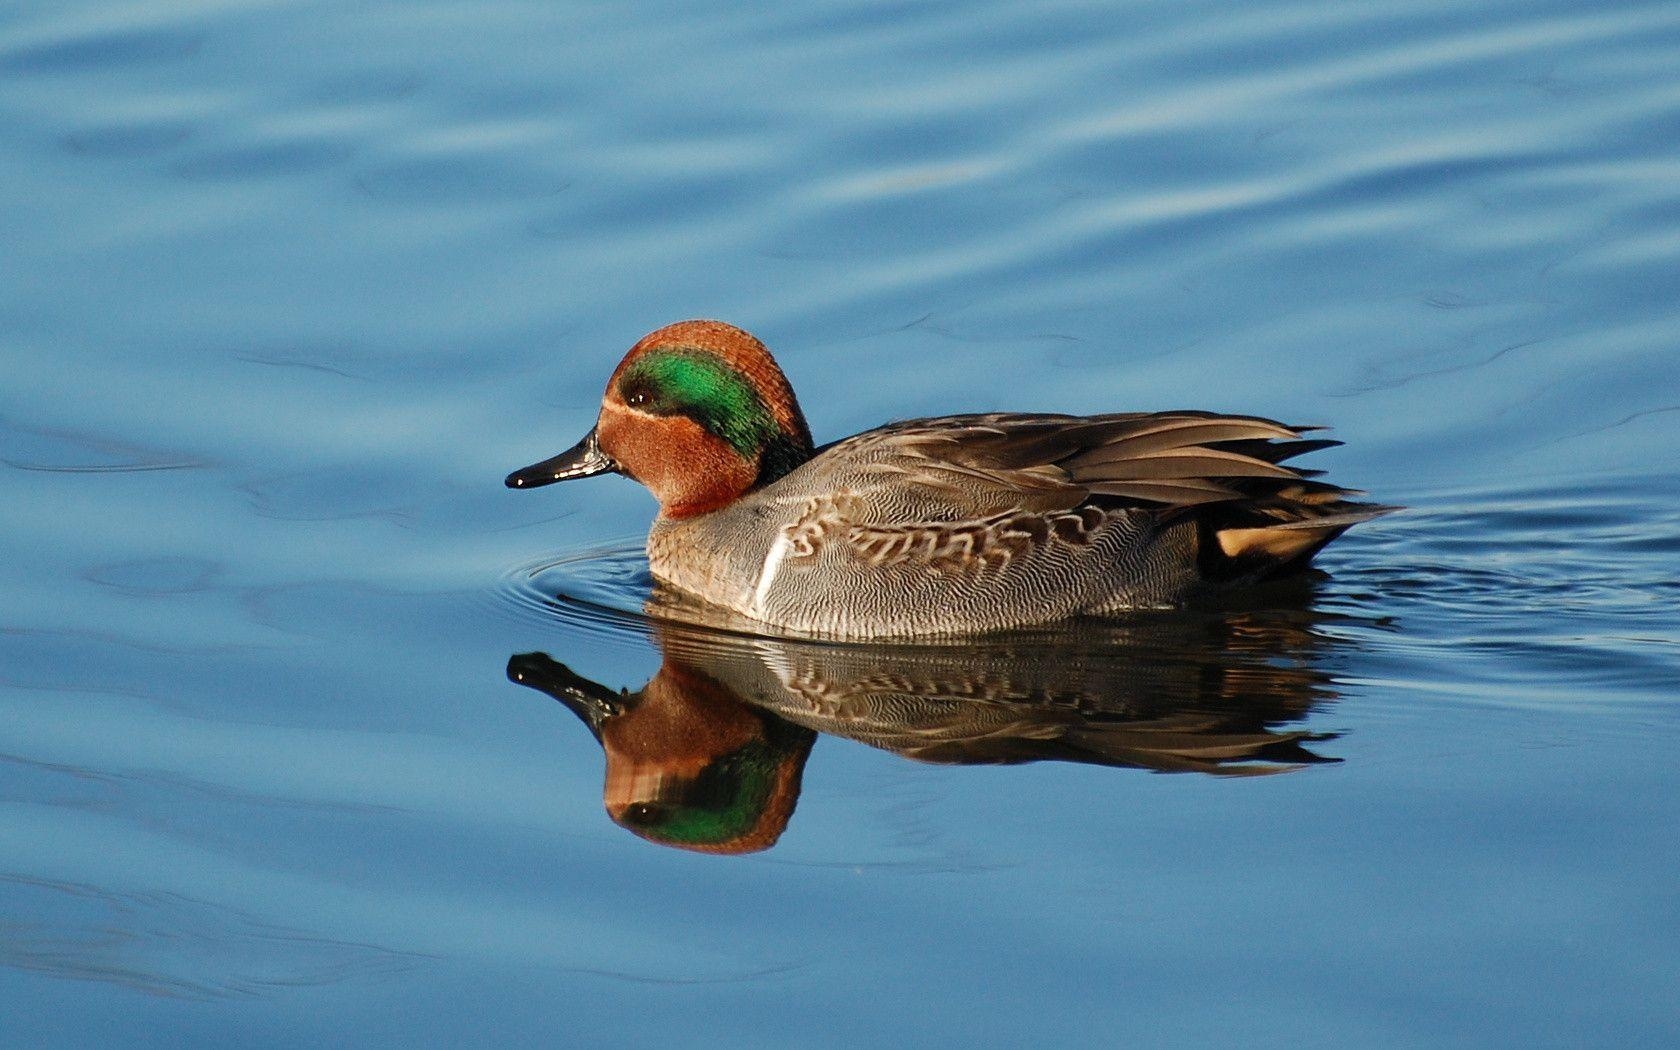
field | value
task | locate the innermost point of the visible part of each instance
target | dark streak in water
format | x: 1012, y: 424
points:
x: 681, y: 981
x: 1622, y: 422
x: 179, y: 947
x: 124, y: 141
x: 188, y: 785
x: 103, y: 50
x: 154, y: 577
x: 922, y: 324
x: 1453, y: 301
x: 1412, y: 377
x: 1274, y: 130
x: 125, y: 642
x: 898, y: 867
x: 534, y: 524
x: 267, y: 498
x: 282, y: 362
x: 424, y: 182
x: 107, y: 468
x: 135, y: 458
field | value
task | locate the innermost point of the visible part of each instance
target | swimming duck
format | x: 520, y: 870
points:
x: 951, y: 525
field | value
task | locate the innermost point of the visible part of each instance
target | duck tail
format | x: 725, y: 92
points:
x: 1280, y: 533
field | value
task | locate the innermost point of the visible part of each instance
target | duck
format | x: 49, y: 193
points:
x: 951, y: 525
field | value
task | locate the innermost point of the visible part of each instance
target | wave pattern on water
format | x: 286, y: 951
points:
x: 291, y: 285
x: 1560, y: 593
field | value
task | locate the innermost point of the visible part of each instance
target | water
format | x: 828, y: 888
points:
x: 288, y: 287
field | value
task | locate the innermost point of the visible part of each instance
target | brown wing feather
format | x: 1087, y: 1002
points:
x: 1156, y: 459
x: 1258, y: 515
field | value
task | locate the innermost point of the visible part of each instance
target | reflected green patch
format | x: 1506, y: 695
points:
x: 725, y: 802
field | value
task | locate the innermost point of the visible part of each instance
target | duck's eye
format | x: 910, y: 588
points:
x: 639, y: 397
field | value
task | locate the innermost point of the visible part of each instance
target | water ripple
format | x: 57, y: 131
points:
x: 354, y: 259
x: 599, y: 590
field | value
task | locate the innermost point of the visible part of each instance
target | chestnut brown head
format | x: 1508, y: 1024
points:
x: 698, y: 412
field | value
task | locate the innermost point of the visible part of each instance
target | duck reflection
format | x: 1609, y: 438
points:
x: 708, y: 755
x: 688, y: 763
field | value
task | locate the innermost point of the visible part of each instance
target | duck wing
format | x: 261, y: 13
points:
x: 979, y: 488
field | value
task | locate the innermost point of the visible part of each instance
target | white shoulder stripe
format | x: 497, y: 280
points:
x: 767, y: 573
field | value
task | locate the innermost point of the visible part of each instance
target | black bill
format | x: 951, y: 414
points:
x: 580, y: 461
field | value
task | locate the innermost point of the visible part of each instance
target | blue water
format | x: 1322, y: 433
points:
x: 286, y: 288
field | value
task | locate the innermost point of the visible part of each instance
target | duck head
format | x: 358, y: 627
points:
x: 698, y: 412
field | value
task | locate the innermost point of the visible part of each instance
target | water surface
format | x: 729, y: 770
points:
x: 288, y: 287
